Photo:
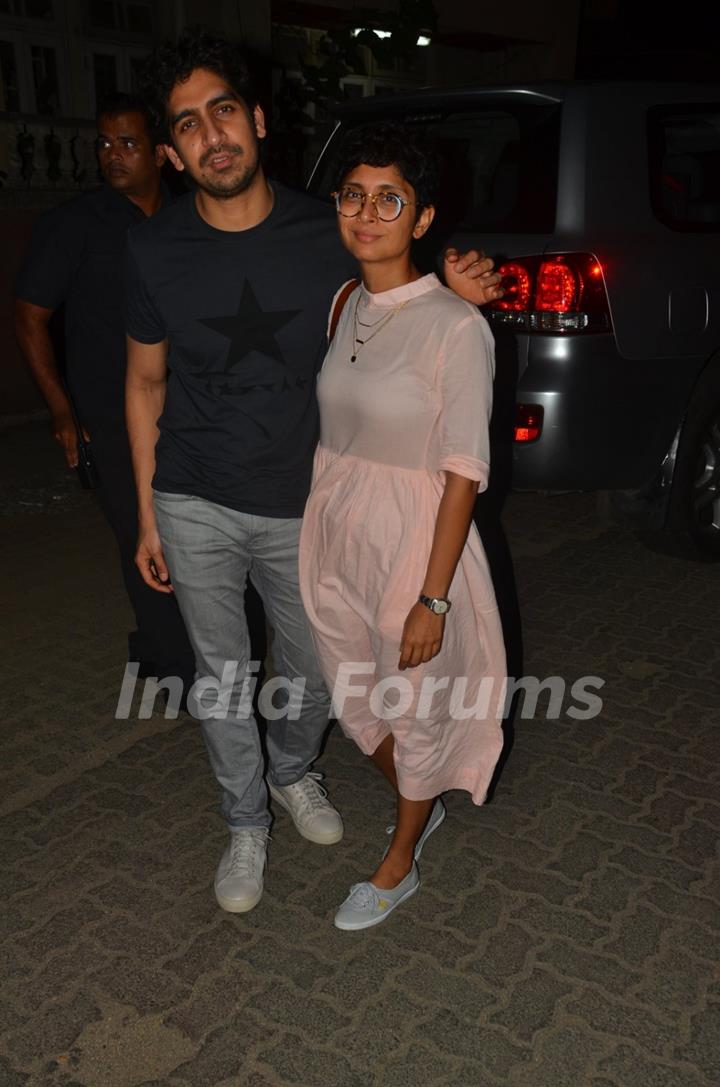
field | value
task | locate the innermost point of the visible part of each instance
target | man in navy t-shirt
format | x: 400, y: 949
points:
x: 228, y: 296
x: 74, y: 263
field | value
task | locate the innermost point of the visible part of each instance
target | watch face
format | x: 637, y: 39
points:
x: 439, y: 606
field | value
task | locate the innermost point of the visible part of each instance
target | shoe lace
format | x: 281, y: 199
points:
x: 363, y: 896
x: 245, y: 851
x: 312, y: 795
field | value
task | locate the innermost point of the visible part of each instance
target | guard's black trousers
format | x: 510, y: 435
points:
x: 160, y: 642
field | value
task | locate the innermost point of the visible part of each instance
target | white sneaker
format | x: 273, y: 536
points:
x: 437, y: 816
x: 239, y: 877
x: 368, y: 905
x: 310, y: 810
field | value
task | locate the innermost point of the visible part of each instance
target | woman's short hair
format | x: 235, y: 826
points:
x: 387, y: 143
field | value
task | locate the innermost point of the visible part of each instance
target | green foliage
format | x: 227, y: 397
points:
x: 412, y: 18
x: 339, y: 53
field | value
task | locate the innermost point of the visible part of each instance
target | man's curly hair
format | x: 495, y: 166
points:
x: 174, y: 62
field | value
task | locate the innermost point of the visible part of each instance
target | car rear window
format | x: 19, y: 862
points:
x: 498, y: 162
x: 684, y: 148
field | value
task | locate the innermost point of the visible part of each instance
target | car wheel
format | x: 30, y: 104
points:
x: 694, y: 511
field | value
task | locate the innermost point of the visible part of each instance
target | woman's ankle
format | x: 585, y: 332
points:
x: 391, y: 871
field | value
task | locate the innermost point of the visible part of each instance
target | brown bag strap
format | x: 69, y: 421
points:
x: 339, y: 306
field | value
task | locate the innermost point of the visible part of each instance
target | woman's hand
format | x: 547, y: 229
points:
x: 421, y: 638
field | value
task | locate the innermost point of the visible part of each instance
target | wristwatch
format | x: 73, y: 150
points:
x: 437, y: 604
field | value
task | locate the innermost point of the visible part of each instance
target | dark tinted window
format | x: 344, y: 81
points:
x: 498, y: 166
x: 685, y: 166
x: 9, y: 95
x: 45, y: 78
x: 105, y: 72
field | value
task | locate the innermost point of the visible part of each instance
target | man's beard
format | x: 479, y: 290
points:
x: 225, y: 188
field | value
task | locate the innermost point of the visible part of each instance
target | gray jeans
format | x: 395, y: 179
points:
x: 210, y: 551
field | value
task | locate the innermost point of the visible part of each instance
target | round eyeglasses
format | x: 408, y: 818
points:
x: 388, y: 205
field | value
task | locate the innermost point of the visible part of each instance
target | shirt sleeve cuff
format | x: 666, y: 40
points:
x: 144, y: 337
x: 468, y: 467
x: 37, y: 298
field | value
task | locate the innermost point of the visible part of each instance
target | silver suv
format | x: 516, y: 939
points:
x: 600, y: 203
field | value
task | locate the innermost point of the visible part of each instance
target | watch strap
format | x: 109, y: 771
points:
x: 428, y: 601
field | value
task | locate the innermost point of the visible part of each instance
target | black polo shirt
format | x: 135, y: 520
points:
x: 75, y: 258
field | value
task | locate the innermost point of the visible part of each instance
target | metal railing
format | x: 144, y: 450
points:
x: 45, y: 159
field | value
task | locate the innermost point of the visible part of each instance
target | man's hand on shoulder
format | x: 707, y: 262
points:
x: 472, y: 277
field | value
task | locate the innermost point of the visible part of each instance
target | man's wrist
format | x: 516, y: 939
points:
x: 59, y: 406
x: 146, y: 517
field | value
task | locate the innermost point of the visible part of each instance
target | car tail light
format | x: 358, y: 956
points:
x: 562, y: 292
x: 528, y: 422
x: 518, y: 288
x: 558, y: 289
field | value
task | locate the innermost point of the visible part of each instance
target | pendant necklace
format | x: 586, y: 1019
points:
x: 377, y: 327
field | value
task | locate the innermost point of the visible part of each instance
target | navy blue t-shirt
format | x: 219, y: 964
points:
x: 75, y: 259
x: 245, y: 315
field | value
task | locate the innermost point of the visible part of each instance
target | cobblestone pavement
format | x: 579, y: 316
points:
x: 565, y: 934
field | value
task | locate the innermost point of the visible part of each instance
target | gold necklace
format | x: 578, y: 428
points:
x: 377, y: 327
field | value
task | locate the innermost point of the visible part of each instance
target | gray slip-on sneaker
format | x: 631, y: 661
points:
x: 368, y: 905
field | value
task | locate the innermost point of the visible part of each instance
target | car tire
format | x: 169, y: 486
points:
x: 693, y: 522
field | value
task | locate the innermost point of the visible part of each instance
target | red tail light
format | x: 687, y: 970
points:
x: 518, y: 288
x: 562, y: 292
x: 528, y: 422
x: 558, y: 290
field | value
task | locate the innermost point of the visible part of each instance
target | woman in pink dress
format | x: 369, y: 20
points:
x: 393, y: 574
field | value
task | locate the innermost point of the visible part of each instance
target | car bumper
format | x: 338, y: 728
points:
x: 608, y: 421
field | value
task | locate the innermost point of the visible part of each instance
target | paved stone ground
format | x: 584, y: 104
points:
x: 565, y: 934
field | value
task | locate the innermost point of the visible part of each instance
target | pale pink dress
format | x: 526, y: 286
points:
x: 416, y: 401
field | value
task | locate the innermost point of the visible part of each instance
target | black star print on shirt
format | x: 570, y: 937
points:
x: 250, y: 329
